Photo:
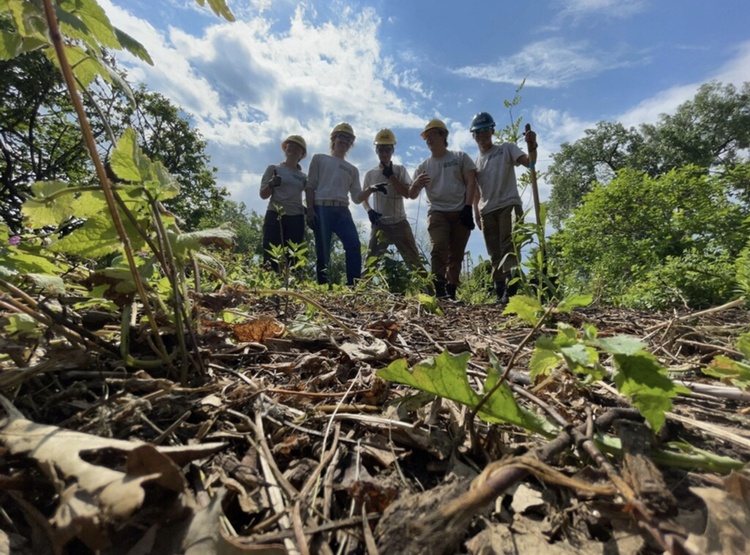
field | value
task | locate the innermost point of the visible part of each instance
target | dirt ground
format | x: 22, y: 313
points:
x: 286, y: 441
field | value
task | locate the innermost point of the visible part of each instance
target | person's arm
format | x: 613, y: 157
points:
x: 265, y: 183
x: 470, y: 178
x: 523, y: 160
x: 402, y: 187
x: 421, y: 181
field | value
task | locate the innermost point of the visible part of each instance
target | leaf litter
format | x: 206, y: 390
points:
x: 299, y: 438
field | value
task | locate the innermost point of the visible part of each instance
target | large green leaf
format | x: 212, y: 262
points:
x: 184, y: 243
x: 125, y: 159
x: 133, y: 46
x: 219, y: 7
x: 641, y: 378
x: 527, y: 308
x: 44, y: 208
x: 85, y: 20
x: 729, y: 371
x: 96, y: 238
x: 445, y: 375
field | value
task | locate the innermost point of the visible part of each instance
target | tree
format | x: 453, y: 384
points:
x: 165, y: 135
x: 711, y: 132
x: 655, y: 242
x: 40, y: 139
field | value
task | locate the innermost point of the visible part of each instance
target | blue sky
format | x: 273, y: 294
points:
x: 288, y: 67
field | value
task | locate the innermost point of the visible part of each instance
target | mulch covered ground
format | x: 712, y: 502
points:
x: 286, y: 441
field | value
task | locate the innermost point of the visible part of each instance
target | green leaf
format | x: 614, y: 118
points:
x: 729, y: 371
x: 184, y: 243
x: 17, y: 261
x: 52, y: 285
x: 527, y: 308
x: 22, y: 324
x: 574, y: 301
x: 86, y: 67
x: 126, y: 157
x: 96, y: 238
x: 543, y: 361
x: 29, y: 20
x: 85, y: 20
x: 133, y: 46
x: 621, y: 345
x: 429, y: 303
x: 445, y: 375
x: 743, y: 344
x: 44, y: 208
x: 219, y: 7
x: 642, y: 379
x: 88, y: 204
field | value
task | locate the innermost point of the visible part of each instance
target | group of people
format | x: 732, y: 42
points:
x: 459, y: 191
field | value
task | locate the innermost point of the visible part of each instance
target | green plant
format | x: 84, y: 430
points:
x: 149, y: 257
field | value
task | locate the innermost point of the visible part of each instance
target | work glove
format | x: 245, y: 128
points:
x: 380, y: 188
x: 275, y: 181
x: 311, y: 218
x: 388, y: 170
x: 374, y: 216
x: 467, y: 218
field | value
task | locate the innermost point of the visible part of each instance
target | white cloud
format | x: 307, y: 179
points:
x: 550, y: 63
x: 617, y: 9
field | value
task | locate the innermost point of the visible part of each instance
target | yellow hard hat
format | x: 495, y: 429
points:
x: 385, y: 137
x: 297, y: 140
x: 434, y: 124
x: 343, y: 127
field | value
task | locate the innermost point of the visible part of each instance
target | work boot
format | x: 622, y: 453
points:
x: 440, y: 292
x: 451, y: 290
x: 513, y: 286
x: 500, y: 291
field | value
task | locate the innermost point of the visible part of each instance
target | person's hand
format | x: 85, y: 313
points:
x: 374, y: 216
x: 311, y: 218
x: 466, y: 218
x: 388, y: 170
x: 379, y: 187
x: 422, y: 180
x: 275, y: 181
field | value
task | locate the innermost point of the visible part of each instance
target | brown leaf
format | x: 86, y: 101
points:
x: 258, y: 330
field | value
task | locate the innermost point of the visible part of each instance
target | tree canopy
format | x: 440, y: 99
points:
x: 656, y: 242
x: 40, y: 141
x: 711, y: 132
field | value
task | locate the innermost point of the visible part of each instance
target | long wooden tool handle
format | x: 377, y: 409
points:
x: 532, y: 145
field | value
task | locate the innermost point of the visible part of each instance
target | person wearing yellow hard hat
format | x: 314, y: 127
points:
x: 449, y: 180
x: 498, y: 202
x: 283, y: 184
x: 388, y: 183
x: 331, y: 179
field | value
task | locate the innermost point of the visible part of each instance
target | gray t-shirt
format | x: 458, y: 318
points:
x: 287, y: 197
x: 447, y: 189
x: 391, y: 205
x: 333, y: 178
x: 496, y: 177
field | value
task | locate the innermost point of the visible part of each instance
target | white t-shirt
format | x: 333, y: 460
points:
x: 447, y: 190
x: 333, y: 178
x: 391, y: 206
x: 287, y: 197
x: 496, y: 177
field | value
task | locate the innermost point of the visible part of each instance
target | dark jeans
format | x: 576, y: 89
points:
x: 338, y: 220
x: 281, y: 232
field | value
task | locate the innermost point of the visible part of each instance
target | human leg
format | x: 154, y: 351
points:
x: 438, y: 228
x: 403, y: 237
x: 459, y: 237
x: 346, y: 231
x: 293, y: 228
x: 323, y: 235
x: 271, y: 237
